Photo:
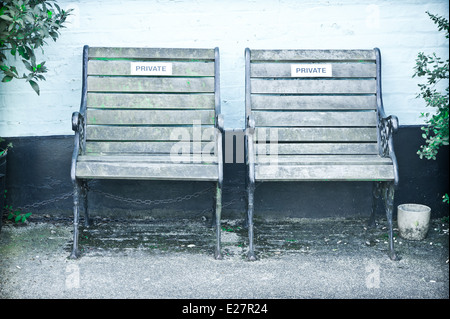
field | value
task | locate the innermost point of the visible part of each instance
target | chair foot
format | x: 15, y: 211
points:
x: 218, y: 255
x: 393, y: 256
x: 75, y: 254
x: 251, y: 256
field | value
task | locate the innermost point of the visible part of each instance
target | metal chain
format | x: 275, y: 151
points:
x: 150, y: 201
x: 45, y: 202
x: 128, y: 199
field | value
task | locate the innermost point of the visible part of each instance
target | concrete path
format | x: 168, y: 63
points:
x: 173, y: 259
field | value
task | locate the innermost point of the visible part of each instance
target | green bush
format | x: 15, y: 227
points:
x: 24, y: 27
x: 434, y: 69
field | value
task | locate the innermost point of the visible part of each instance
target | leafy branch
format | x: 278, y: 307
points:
x: 434, y: 69
x: 24, y: 27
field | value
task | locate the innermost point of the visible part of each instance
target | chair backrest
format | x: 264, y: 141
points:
x: 145, y: 100
x: 313, y: 101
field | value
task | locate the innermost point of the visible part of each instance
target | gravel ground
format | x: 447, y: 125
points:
x: 333, y: 258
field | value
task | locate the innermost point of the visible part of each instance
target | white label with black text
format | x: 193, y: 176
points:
x: 151, y: 68
x: 311, y: 70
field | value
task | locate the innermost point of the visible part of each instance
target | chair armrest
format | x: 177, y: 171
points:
x: 388, y: 127
x: 220, y: 123
x: 249, y: 151
x: 78, y: 127
x: 219, y: 145
x: 77, y: 120
x: 250, y: 127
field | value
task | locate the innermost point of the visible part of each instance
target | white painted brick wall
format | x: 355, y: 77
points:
x: 400, y: 29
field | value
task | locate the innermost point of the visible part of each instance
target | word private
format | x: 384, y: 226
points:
x: 311, y: 70
x: 151, y: 68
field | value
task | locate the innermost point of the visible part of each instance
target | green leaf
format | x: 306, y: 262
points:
x: 7, y: 78
x: 27, y: 65
x: 17, y: 218
x: 35, y: 87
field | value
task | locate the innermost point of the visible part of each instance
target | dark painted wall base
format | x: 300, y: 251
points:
x: 38, y: 172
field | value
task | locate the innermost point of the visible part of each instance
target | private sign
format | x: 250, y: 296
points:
x: 151, y: 68
x: 311, y: 70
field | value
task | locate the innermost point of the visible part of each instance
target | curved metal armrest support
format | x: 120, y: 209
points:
x: 250, y: 154
x: 250, y: 124
x: 219, y: 145
x: 220, y: 123
x: 78, y: 127
x: 389, y: 126
x: 77, y: 118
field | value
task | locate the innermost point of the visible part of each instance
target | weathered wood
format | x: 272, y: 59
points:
x: 312, y: 55
x: 151, y: 158
x: 340, y: 70
x: 318, y: 148
x: 324, y: 172
x: 323, y: 159
x: 187, y: 69
x: 147, y: 171
x: 294, y: 86
x: 150, y: 117
x: 150, y: 84
x: 152, y: 133
x: 152, y: 53
x: 312, y: 134
x: 313, y: 102
x: 288, y: 118
x: 148, y: 148
x: 151, y: 101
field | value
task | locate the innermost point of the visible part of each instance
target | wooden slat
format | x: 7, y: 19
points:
x: 147, y: 171
x: 313, y: 102
x: 142, y: 84
x: 152, y: 53
x: 316, y: 134
x: 267, y: 118
x: 324, y: 172
x: 339, y: 70
x: 100, y: 67
x: 153, y: 133
x: 323, y: 159
x: 149, y: 117
x: 144, y: 101
x: 155, y: 158
x: 312, y: 55
x: 315, y: 86
x: 318, y: 148
x: 149, y: 148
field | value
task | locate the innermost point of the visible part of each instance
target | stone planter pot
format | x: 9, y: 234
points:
x: 413, y: 221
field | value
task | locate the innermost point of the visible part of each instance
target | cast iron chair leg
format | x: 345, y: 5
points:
x: 375, y: 197
x: 76, y: 218
x: 218, y: 213
x: 388, y: 197
x: 84, y: 195
x: 250, y: 199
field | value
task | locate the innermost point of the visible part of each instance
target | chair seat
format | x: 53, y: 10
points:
x: 324, y: 167
x: 161, y: 167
